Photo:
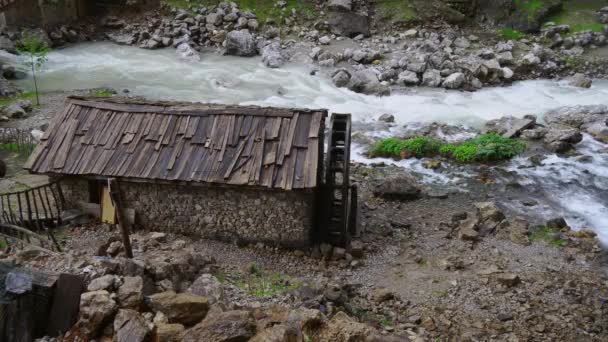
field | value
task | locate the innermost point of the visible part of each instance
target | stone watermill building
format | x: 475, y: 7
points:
x: 239, y: 173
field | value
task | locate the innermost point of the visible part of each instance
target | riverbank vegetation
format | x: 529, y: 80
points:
x: 581, y: 15
x: 489, y: 147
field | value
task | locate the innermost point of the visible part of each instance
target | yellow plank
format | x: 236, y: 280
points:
x: 108, y: 212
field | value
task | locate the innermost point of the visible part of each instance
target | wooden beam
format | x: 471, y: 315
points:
x: 123, y: 223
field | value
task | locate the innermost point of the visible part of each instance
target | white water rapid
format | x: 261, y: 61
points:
x: 578, y: 190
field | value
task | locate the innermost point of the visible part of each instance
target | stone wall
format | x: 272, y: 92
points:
x: 224, y: 213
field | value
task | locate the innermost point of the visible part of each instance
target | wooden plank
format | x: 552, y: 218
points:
x: 66, y: 301
x: 270, y: 154
x: 301, y: 137
x: 108, y: 210
x: 283, y: 142
x: 276, y: 129
x: 176, y: 153
x: 192, y: 126
x: 312, y: 163
x: 235, y: 159
x: 299, y: 169
x: 292, y: 131
x: 315, y: 125
x: 62, y: 152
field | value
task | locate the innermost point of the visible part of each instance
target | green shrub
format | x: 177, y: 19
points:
x: 484, y: 148
x: 416, y: 147
x: 549, y: 235
x: 511, y: 34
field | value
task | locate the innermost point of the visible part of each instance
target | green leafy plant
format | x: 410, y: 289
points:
x: 509, y: 33
x: 102, y: 93
x: 549, y: 235
x: 36, y: 52
x: 262, y: 284
x: 484, y: 148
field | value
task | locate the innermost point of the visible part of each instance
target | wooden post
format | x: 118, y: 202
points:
x: 123, y: 223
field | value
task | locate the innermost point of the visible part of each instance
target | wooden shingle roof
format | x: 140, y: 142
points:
x: 192, y: 142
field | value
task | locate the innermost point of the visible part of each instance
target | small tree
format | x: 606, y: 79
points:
x: 36, y: 51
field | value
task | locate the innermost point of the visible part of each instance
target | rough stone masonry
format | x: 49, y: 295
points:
x: 224, y: 213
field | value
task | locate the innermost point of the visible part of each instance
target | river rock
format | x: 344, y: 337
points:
x: 169, y: 332
x: 272, y: 55
x: 454, y: 81
x: 341, y: 78
x: 7, y: 45
x: 240, y: 43
x: 408, y: 78
x: 389, y: 118
x: 366, y: 81
x: 14, y: 111
x: 180, y: 308
x: 509, y: 126
x: 278, y: 333
x: 576, y: 116
x: 130, y: 326
x: 340, y: 5
x: 106, y: 282
x: 580, y: 80
x: 561, y: 140
x: 122, y: 38
x: 400, y: 187
x: 598, y: 130
x: 223, y: 327
x: 7, y: 89
x: 187, y: 53
x: 348, y: 24
x: 431, y: 78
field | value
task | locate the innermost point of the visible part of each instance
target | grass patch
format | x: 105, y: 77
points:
x: 263, y: 9
x: 264, y: 284
x: 396, y: 10
x: 423, y: 263
x: 22, y: 150
x: 7, y: 101
x: 511, y: 34
x: 549, y: 235
x: 102, y: 93
x: 530, y: 6
x: 484, y: 148
x: 580, y: 15
x: 3, y: 244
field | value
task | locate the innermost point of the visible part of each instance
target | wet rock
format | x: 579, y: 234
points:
x: 515, y: 230
x: 557, y: 223
x: 122, y: 38
x: 561, y: 140
x: 208, y: 286
x: 467, y: 230
x: 130, y: 293
x: 7, y: 89
x: 387, y: 118
x: 454, y: 81
x: 272, y: 55
x: 401, y: 187
x: 580, y: 80
x: 598, y: 130
x: 180, y: 308
x: 96, y: 310
x: 509, y: 126
x: 366, y: 81
x: 130, y: 326
x: 240, y: 43
x: 186, y: 52
x: 226, y: 326
x: 576, y: 116
x: 18, y: 283
x: 341, y: 78
x: 488, y: 217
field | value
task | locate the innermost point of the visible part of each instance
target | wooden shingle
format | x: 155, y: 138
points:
x: 187, y: 142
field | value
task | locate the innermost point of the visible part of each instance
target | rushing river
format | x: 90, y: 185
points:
x: 577, y: 190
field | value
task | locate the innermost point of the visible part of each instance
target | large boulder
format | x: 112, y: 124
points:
x: 186, y: 52
x: 229, y: 326
x: 130, y: 293
x: 130, y: 326
x: 341, y: 78
x: 400, y: 187
x: 431, y: 78
x: 183, y: 308
x: 509, y: 126
x: 348, y: 24
x: 169, y: 332
x: 96, y: 310
x: 240, y: 43
x: 576, y: 116
x: 562, y: 139
x: 343, y: 328
x: 208, y: 286
x: 598, y: 130
x: 408, y: 78
x: 272, y: 55
x: 580, y: 80
x: 454, y: 81
x: 489, y: 216
x: 278, y: 333
x: 340, y: 5
x: 366, y: 81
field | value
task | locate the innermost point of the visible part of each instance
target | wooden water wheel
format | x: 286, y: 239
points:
x: 341, y: 196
